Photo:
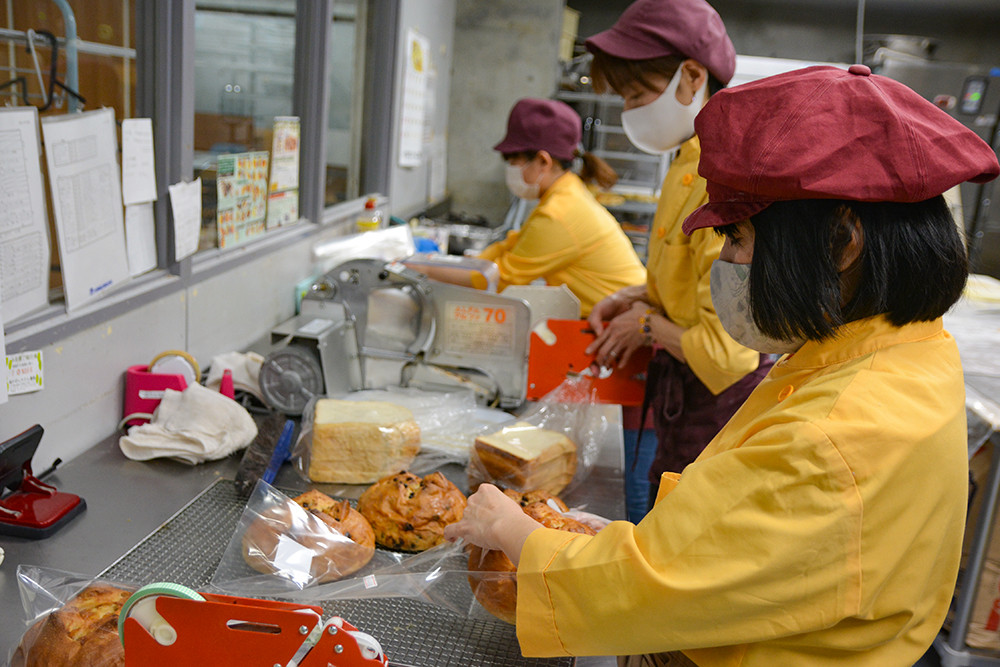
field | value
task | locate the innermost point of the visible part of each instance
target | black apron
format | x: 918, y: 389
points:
x: 686, y: 415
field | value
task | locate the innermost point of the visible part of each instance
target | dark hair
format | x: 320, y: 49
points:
x: 610, y: 71
x: 594, y: 168
x: 912, y: 266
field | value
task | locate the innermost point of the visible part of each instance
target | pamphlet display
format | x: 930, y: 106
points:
x: 241, y: 183
x: 283, y: 194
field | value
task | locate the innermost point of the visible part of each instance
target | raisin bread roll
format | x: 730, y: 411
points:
x: 334, y: 557
x: 409, y: 513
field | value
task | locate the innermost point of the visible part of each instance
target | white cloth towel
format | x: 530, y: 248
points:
x: 245, y: 368
x: 194, y: 425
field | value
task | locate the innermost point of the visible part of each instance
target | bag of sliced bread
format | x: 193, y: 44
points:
x: 552, y: 447
x: 363, y: 436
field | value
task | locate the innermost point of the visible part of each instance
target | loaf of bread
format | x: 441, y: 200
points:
x: 358, y: 442
x: 82, y: 633
x: 524, y: 456
x: 334, y: 554
x: 494, y: 582
x: 408, y: 513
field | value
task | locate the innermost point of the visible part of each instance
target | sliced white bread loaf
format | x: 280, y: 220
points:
x: 358, y: 442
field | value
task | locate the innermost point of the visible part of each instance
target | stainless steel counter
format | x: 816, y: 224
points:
x: 129, y: 500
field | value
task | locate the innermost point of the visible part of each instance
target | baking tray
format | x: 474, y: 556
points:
x: 188, y: 547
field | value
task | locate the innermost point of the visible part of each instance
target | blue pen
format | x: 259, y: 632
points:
x: 281, y: 452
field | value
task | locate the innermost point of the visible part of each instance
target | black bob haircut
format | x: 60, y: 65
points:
x: 912, y: 267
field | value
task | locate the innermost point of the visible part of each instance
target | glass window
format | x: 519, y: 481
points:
x: 343, y: 128
x: 100, y: 73
x: 244, y: 71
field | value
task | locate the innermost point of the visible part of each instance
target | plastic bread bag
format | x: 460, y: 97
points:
x: 390, y: 430
x: 72, y: 619
x: 439, y: 576
x: 280, y: 547
x: 552, y: 447
x: 462, y: 578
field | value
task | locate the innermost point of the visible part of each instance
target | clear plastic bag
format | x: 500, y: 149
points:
x: 571, y: 410
x: 461, y: 578
x: 280, y: 548
x: 449, y: 423
x: 46, y: 596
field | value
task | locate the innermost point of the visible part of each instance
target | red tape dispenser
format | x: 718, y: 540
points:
x: 168, y: 624
x: 557, y: 350
x: 145, y: 385
x: 34, y: 509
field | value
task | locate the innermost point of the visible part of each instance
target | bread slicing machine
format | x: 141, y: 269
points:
x: 368, y: 324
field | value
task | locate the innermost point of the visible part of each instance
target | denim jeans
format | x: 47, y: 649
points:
x: 637, y: 500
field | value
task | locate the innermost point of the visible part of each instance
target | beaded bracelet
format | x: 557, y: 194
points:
x: 645, y: 328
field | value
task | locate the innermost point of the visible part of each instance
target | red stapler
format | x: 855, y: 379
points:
x: 33, y: 509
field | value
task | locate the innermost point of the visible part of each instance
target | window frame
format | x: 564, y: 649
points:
x: 164, y: 43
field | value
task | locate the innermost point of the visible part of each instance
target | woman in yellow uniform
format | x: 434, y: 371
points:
x: 823, y: 524
x: 666, y: 58
x: 569, y: 238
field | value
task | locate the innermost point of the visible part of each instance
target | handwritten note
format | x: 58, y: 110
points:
x: 185, y: 201
x: 81, y: 151
x: 24, y: 239
x: 3, y: 358
x: 24, y: 373
x: 411, y: 131
x: 138, y: 172
x: 140, y: 238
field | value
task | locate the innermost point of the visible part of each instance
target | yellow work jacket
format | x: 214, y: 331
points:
x: 678, y: 277
x: 569, y: 239
x: 822, y: 526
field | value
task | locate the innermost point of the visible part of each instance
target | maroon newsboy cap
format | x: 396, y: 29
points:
x: 657, y: 28
x: 542, y: 125
x: 828, y: 133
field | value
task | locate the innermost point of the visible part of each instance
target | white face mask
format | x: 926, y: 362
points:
x: 731, y: 298
x: 517, y: 185
x: 664, y: 123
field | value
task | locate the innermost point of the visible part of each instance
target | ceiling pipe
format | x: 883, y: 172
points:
x: 859, y: 33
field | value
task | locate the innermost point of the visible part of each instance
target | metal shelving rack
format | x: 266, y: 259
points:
x: 951, y: 646
x: 638, y: 172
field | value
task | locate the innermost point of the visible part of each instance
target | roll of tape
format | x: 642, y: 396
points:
x: 142, y: 607
x: 176, y: 362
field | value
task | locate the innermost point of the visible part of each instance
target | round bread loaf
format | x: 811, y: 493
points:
x: 408, y: 513
x: 82, y: 633
x: 334, y: 556
x: 495, y: 582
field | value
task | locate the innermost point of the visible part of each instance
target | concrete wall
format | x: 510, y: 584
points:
x: 410, y: 187
x: 504, y: 50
